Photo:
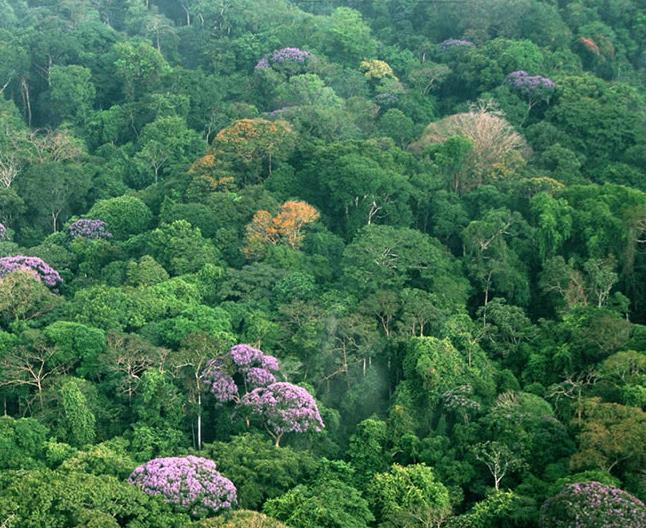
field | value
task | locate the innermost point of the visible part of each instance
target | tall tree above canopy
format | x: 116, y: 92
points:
x: 498, y: 150
x: 256, y: 144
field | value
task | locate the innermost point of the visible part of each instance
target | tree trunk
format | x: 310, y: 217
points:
x: 199, y: 421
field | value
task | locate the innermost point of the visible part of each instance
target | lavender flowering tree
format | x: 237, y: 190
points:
x: 191, y: 483
x: 284, y: 408
x: 534, y: 88
x: 246, y: 376
x: 284, y: 58
x: 251, y: 366
x: 41, y: 270
x: 89, y: 228
x: 593, y: 505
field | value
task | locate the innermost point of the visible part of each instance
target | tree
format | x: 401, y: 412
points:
x: 329, y: 500
x: 284, y: 408
x: 498, y: 150
x: 346, y: 36
x: 53, y: 190
x: 24, y: 297
x: 498, y: 458
x: 22, y: 442
x: 45, y: 499
x: 256, y: 144
x: 409, y: 496
x: 386, y: 257
x: 166, y: 145
x: 30, y: 365
x: 259, y: 470
x: 78, y: 422
x: 71, y: 92
x: 139, y: 66
x: 592, y: 505
x: 367, y: 450
x: 612, y: 438
x: 181, y: 248
x: 126, y: 215
x: 191, y: 483
x: 553, y: 218
x: 285, y: 227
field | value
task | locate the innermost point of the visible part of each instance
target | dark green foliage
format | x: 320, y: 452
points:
x: 453, y: 262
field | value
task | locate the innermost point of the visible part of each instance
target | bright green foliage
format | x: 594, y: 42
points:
x: 52, y: 499
x: 125, y: 215
x: 367, y: 450
x: 21, y: 442
x: 328, y: 501
x: 76, y: 344
x: 259, y: 470
x: 78, y: 424
x: 180, y: 248
x: 408, y: 496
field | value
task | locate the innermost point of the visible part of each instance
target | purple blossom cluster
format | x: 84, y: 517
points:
x: 593, y: 505
x: 290, y: 54
x: 89, y: 228
x: 191, y: 483
x: 253, y: 366
x: 283, y: 55
x: 263, y: 64
x: 455, y: 43
x: 530, y: 84
x: 3, y: 232
x: 39, y: 267
x: 285, y: 408
x: 220, y: 383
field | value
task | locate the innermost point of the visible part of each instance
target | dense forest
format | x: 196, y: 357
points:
x: 322, y: 263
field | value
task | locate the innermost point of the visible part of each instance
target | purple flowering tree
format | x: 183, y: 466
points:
x: 251, y: 367
x: 289, y: 59
x: 41, y: 270
x: 246, y: 376
x: 284, y: 408
x: 89, y: 228
x: 191, y: 483
x: 3, y: 232
x: 534, y: 88
x: 593, y: 505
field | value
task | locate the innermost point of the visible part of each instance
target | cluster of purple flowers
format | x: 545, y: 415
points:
x: 530, y: 84
x: 283, y: 55
x: 290, y: 54
x: 35, y: 265
x: 255, y: 368
x: 89, y: 228
x: 455, y: 43
x: 3, y: 232
x: 220, y: 383
x: 263, y: 64
x: 285, y: 408
x: 191, y: 483
x: 593, y: 505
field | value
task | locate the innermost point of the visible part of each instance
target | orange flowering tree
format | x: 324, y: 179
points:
x: 286, y: 227
x: 256, y: 144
